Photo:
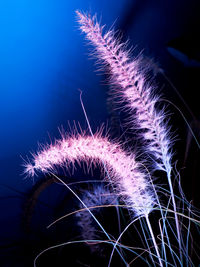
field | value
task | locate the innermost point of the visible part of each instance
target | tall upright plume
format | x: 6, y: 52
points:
x: 130, y: 183
x: 131, y: 86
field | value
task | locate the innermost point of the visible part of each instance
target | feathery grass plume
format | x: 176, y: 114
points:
x: 131, y: 86
x: 95, y: 198
x: 124, y: 172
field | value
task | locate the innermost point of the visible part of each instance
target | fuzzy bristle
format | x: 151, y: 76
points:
x: 124, y: 172
x: 94, y: 198
x: 130, y: 85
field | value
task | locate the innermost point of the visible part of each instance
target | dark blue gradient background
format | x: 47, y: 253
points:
x: 44, y: 62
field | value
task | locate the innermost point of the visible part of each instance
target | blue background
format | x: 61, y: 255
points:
x: 44, y: 62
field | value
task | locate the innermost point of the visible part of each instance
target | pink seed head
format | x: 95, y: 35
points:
x: 123, y: 171
x: 130, y: 84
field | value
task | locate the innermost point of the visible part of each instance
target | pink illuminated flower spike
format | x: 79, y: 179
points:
x: 131, y: 86
x: 130, y: 183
